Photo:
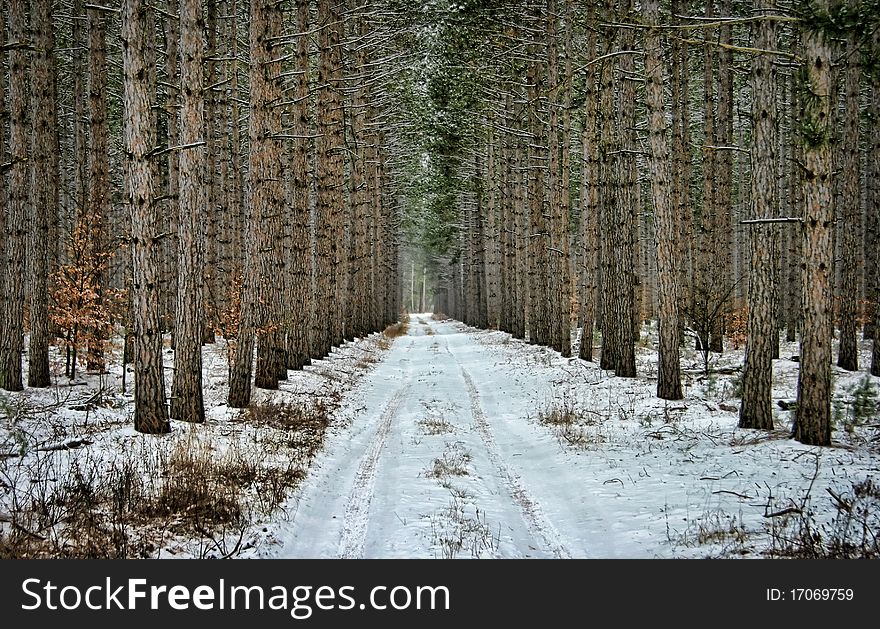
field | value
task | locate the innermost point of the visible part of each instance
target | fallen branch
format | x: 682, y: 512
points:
x: 785, y: 511
x: 66, y: 445
x: 732, y: 493
x: 841, y: 503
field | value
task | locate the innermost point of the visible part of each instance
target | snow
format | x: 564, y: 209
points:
x: 646, y: 479
x: 439, y: 450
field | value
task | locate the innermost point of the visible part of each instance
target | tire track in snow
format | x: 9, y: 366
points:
x: 533, y: 515
x: 357, y: 512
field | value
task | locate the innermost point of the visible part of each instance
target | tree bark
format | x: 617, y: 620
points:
x: 186, y: 391
x: 813, y: 420
x: 99, y: 207
x: 301, y: 299
x: 756, y: 410
x: 329, y: 210
x: 851, y: 227
x: 151, y: 414
x: 45, y: 189
x: 665, y: 220
x: 12, y: 326
x: 265, y: 187
x: 589, y: 199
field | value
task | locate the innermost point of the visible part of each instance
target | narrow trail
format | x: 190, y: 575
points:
x: 357, y: 513
x: 423, y: 469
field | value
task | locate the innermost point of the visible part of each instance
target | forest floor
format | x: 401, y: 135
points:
x: 446, y: 441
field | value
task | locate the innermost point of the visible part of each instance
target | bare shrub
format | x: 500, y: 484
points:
x: 435, y: 426
x: 573, y: 425
x: 397, y: 329
x: 455, y: 530
x: 453, y: 462
x: 851, y: 533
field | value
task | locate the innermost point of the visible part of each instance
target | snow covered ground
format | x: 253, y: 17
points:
x: 456, y: 442
x: 445, y: 454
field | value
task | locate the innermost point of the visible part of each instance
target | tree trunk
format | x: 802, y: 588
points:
x: 626, y: 214
x: 521, y: 232
x: 168, y: 201
x: 872, y: 205
x: 329, y: 211
x: 608, y: 235
x: 151, y: 414
x: 537, y: 237
x: 851, y: 227
x: 722, y: 278
x: 589, y: 201
x: 265, y: 186
x: 665, y: 220
x: 12, y: 326
x: 186, y: 391
x: 99, y: 207
x: 215, y: 233
x: 45, y: 184
x: 301, y: 302
x: 813, y: 421
x: 4, y: 190
x: 756, y: 410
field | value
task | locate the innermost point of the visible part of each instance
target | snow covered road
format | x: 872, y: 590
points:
x: 426, y: 468
x: 441, y: 451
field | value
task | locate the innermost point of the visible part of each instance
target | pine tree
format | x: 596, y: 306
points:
x: 665, y: 223
x: 150, y: 414
x: 756, y: 409
x: 813, y: 421
x: 186, y: 391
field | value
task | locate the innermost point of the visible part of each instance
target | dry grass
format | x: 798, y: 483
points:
x: 573, y: 425
x: 453, y: 462
x: 434, y: 426
x: 195, y: 486
x: 397, y: 329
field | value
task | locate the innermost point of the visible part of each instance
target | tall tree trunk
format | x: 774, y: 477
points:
x: 851, y: 227
x: 12, y: 326
x: 721, y: 277
x: 538, y: 320
x: 555, y: 230
x: 521, y: 230
x: 98, y: 211
x: 813, y: 421
x: 665, y: 223
x: 491, y: 241
x: 565, y: 184
x: 756, y: 410
x: 506, y: 227
x: 705, y: 293
x: 265, y: 186
x: 608, y: 235
x: 186, y: 391
x: 681, y: 172
x: 215, y: 228
x: 4, y: 190
x: 872, y: 199
x: 329, y: 211
x: 795, y: 193
x: 44, y: 180
x: 626, y: 213
x: 301, y: 302
x: 557, y: 242
x: 169, y: 179
x: 589, y: 200
x: 150, y: 414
